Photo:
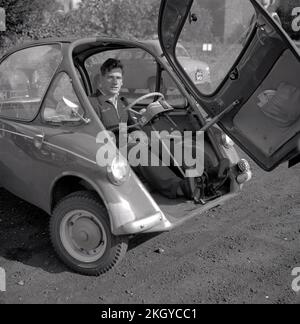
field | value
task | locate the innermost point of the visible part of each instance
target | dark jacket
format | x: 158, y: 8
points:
x: 105, y: 109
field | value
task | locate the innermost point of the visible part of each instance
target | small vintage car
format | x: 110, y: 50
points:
x: 49, y: 128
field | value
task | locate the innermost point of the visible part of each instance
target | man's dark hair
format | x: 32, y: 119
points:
x: 111, y: 64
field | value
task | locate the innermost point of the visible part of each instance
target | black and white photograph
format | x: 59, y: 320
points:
x: 149, y: 154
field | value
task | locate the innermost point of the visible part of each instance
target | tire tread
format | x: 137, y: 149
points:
x: 120, y: 242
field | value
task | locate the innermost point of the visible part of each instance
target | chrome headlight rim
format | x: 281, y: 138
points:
x: 244, y: 166
x: 227, y: 142
x: 111, y: 171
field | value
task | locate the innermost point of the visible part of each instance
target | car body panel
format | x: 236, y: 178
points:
x: 35, y: 156
x: 268, y: 60
x: 62, y: 155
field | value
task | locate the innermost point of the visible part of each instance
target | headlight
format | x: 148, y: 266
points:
x: 227, y: 141
x: 118, y: 172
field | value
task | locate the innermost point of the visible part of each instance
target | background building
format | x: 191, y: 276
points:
x: 68, y: 5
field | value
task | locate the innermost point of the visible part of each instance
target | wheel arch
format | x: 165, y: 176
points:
x: 98, y: 251
x: 69, y: 183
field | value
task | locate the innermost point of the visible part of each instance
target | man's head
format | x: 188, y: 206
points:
x: 111, y: 77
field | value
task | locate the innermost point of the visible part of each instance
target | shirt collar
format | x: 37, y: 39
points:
x: 104, y: 98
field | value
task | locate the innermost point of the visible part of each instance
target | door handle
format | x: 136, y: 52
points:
x: 38, y: 140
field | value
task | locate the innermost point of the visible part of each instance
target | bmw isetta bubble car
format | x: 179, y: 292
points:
x: 49, y: 128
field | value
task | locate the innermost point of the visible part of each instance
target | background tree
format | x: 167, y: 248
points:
x: 129, y: 19
x: 115, y: 18
x: 21, y: 17
x: 36, y: 19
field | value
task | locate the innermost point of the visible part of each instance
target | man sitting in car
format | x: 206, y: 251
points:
x: 111, y: 108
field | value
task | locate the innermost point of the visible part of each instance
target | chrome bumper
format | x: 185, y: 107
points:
x: 142, y: 225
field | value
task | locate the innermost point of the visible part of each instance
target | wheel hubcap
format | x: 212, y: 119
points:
x: 83, y: 236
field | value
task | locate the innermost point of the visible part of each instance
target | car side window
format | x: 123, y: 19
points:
x: 24, y: 78
x: 61, y: 104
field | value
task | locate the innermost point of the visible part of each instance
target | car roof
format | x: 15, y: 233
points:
x: 44, y: 41
x: 154, y: 43
x: 69, y: 40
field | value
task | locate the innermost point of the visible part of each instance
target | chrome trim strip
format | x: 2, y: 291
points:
x: 22, y: 135
x: 52, y: 145
x: 73, y: 153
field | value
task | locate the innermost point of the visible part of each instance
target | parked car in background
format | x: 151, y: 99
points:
x: 137, y: 62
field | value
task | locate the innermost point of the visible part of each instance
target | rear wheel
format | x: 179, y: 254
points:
x: 81, y: 235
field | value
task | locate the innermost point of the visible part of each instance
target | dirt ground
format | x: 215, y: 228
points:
x: 243, y: 252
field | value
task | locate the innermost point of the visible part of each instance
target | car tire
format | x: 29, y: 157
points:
x: 81, y: 236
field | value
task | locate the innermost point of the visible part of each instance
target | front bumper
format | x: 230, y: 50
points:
x: 142, y: 225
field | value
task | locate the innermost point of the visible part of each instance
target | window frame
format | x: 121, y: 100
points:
x: 63, y: 122
x: 45, y: 91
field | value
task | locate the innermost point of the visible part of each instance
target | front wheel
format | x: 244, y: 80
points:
x: 81, y: 235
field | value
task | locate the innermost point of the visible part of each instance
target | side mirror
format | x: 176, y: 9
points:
x: 69, y: 103
x: 74, y: 108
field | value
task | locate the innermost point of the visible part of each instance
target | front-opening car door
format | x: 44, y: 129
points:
x: 255, y: 68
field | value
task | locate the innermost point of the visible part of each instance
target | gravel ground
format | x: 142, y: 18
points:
x: 243, y: 252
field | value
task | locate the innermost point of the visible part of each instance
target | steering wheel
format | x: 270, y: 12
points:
x: 130, y: 106
x: 151, y: 94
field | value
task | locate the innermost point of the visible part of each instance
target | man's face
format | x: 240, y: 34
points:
x: 112, y: 82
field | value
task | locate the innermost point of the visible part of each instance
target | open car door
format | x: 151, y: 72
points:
x: 255, y: 72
